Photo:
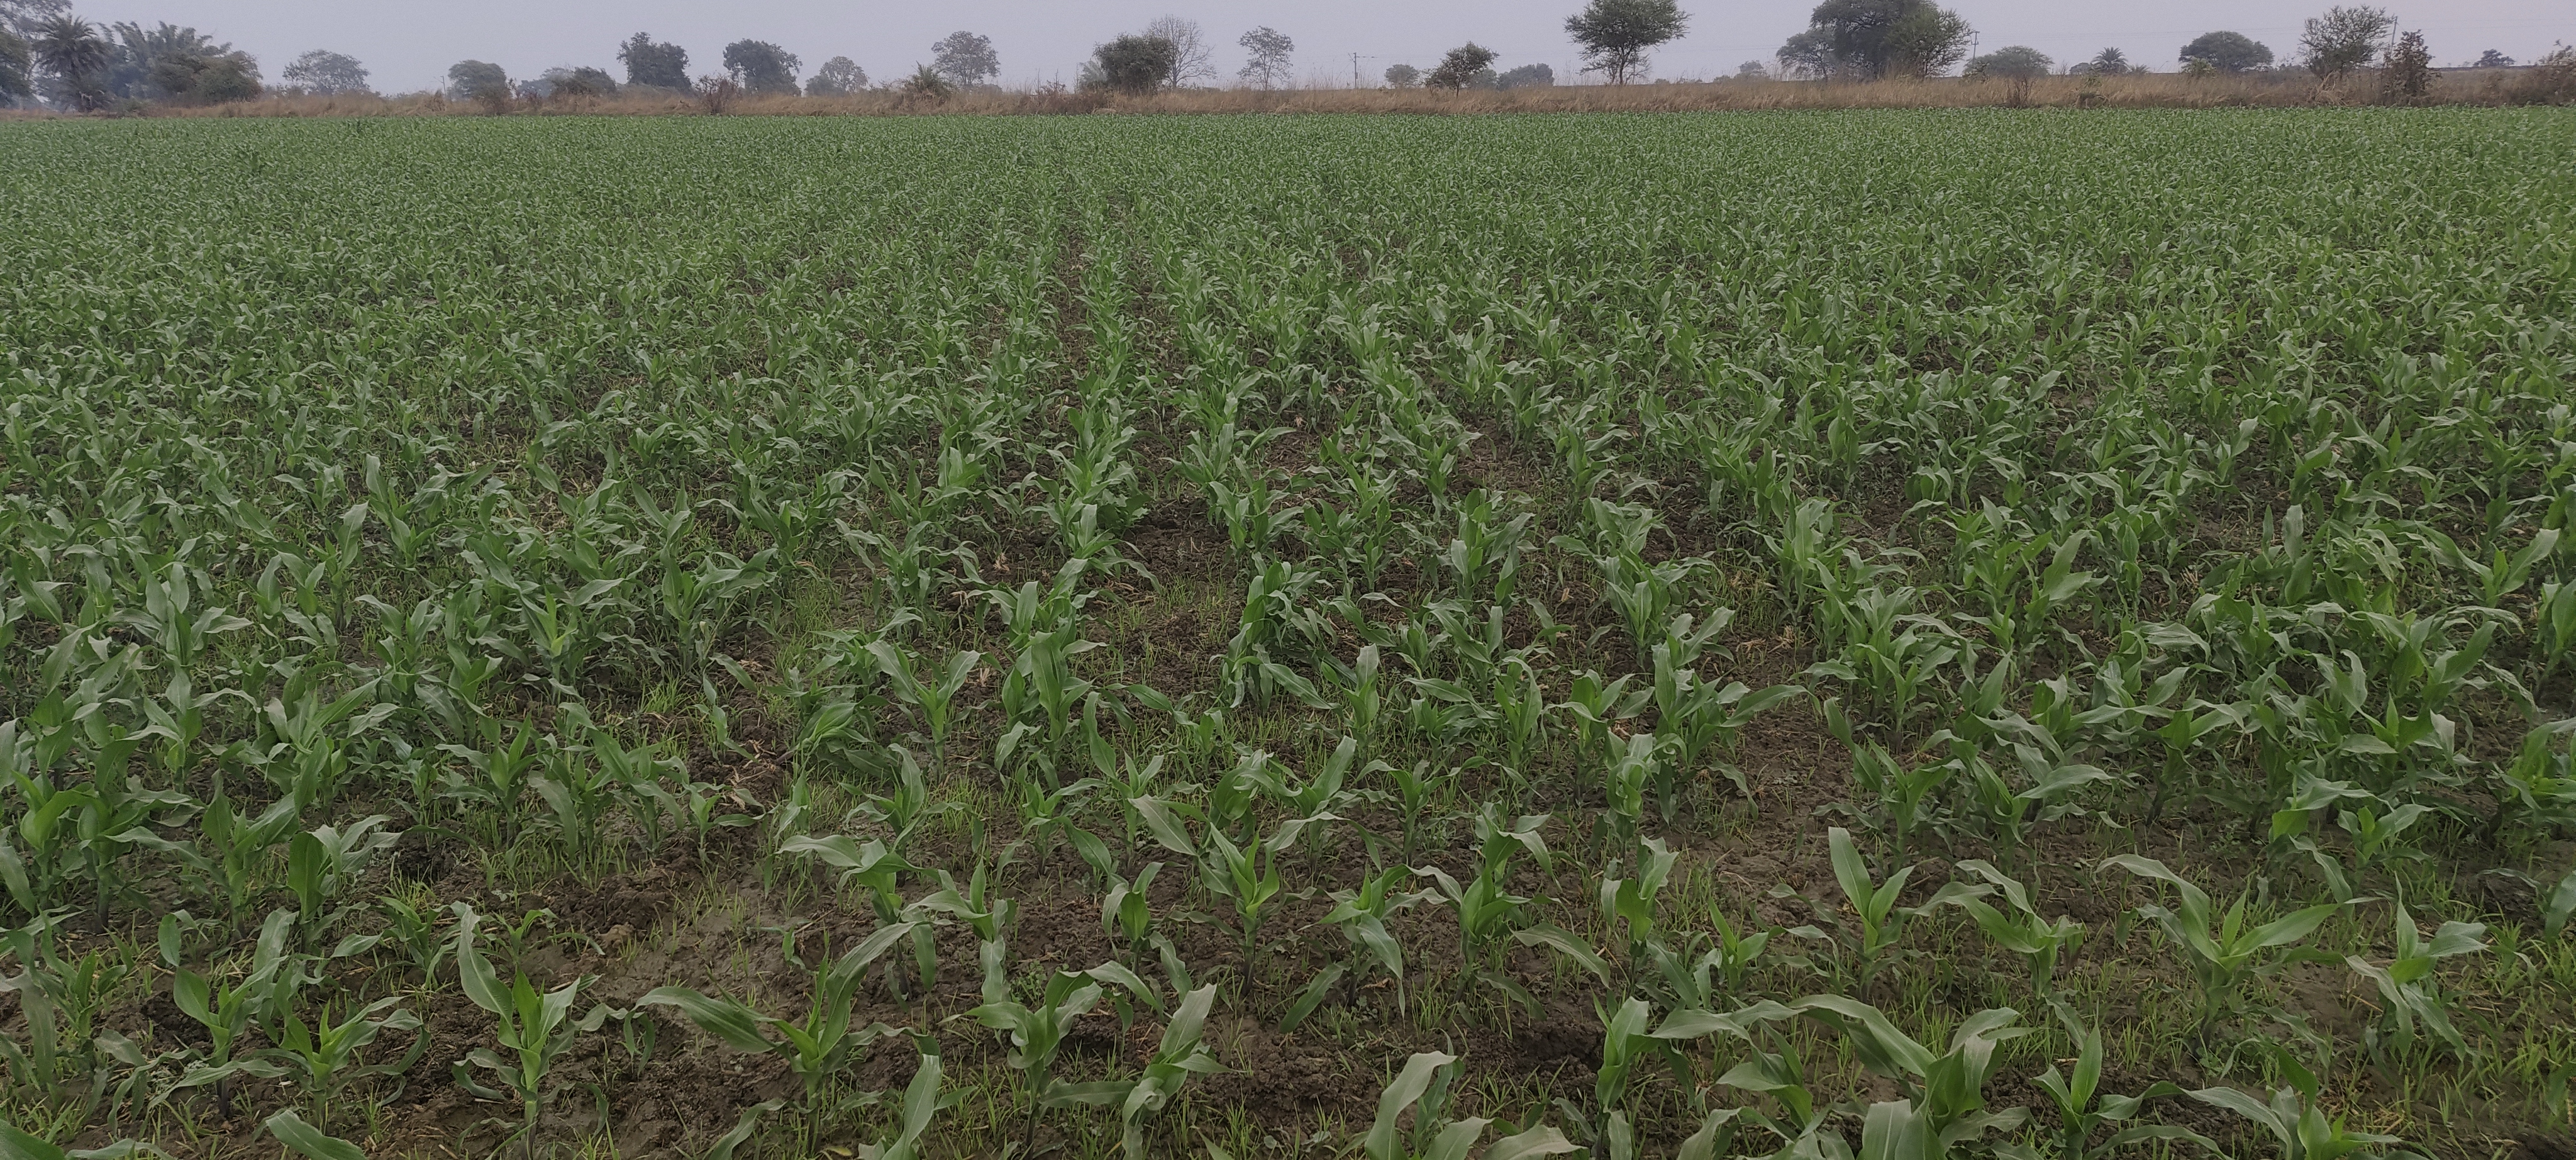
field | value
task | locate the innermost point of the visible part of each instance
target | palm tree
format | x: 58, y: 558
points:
x: 138, y: 57
x: 71, y: 49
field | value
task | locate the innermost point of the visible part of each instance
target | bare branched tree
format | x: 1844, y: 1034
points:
x: 1193, y: 59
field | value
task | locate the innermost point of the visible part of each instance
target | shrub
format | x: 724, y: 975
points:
x: 2551, y: 80
x: 2407, y: 71
x: 2018, y: 62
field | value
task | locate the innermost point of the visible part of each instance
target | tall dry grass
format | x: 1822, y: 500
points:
x: 2542, y: 85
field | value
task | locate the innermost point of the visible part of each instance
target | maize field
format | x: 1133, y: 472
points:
x: 1892, y: 635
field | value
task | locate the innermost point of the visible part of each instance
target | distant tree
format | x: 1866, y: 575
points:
x: 1528, y: 76
x: 17, y: 69
x: 192, y: 78
x: 964, y: 59
x: 839, y: 77
x: 1810, y: 56
x: 163, y: 62
x: 2343, y: 39
x: 1271, y: 50
x: 76, y: 58
x: 1458, y: 69
x: 326, y: 74
x: 1752, y: 70
x: 1402, y: 76
x: 475, y: 80
x: 2230, y: 52
x: 1133, y: 64
x: 22, y: 18
x: 18, y: 21
x: 1925, y: 42
x: 2406, y: 73
x: 2109, y: 62
x: 2493, y: 59
x: 1617, y: 34
x: 1874, y: 39
x: 2019, y: 62
x: 655, y: 65
x: 228, y: 78
x: 580, y: 81
x: 1193, y: 59
x: 762, y: 68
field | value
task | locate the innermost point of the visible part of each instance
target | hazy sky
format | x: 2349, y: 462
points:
x: 409, y: 45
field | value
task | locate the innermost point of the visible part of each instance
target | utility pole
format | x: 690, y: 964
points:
x: 1355, y: 70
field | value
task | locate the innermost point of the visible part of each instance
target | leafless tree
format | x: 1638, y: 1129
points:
x: 1193, y: 59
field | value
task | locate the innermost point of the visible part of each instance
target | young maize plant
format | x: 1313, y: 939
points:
x: 534, y: 1028
x: 2303, y: 1130
x: 1178, y: 1056
x: 934, y: 697
x: 2408, y: 988
x: 816, y: 1048
x: 1126, y: 912
x: 1361, y: 917
x: 2039, y: 940
x: 1424, y: 1087
x: 2224, y: 952
x: 1682, y: 982
x: 325, y: 1054
x: 1037, y: 1033
x: 2083, y: 1112
x: 1876, y: 921
x: 1625, y: 1043
x: 1943, y: 1100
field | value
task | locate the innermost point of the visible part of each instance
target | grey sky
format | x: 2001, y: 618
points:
x: 409, y: 45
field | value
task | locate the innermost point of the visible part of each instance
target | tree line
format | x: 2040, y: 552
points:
x: 1866, y: 40
x: 51, y: 55
x: 1168, y: 53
